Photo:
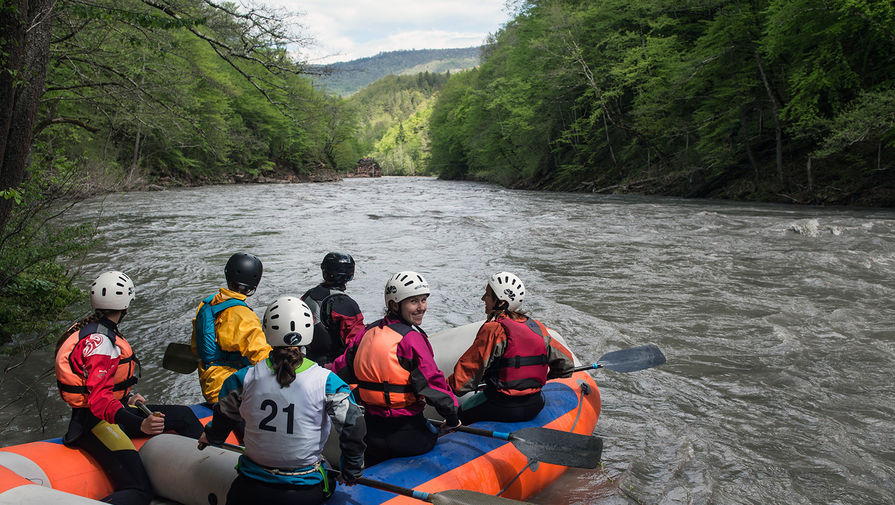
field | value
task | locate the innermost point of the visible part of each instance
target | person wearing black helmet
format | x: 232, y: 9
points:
x: 227, y: 334
x: 338, y: 318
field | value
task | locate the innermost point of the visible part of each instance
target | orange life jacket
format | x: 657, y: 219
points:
x: 381, y: 380
x: 72, y: 382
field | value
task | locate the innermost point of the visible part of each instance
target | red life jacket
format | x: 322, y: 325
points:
x: 522, y: 370
x: 72, y: 381
x: 381, y: 380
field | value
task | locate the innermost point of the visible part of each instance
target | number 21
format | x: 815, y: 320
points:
x: 274, y: 408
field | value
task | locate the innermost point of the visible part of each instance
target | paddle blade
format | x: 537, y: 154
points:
x: 559, y: 447
x: 179, y: 358
x: 633, y: 359
x: 464, y: 497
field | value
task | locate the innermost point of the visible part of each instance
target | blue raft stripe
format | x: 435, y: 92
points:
x: 451, y: 451
x: 201, y: 410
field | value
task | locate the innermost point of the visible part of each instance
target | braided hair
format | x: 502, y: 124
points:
x: 285, y: 361
x: 95, y: 317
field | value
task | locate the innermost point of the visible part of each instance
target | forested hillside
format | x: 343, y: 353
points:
x: 780, y: 100
x: 349, y: 77
x: 393, y: 120
x: 110, y: 95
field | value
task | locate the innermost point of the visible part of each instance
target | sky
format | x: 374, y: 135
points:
x: 345, y: 30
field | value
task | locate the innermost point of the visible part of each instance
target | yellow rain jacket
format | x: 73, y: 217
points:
x: 237, y: 341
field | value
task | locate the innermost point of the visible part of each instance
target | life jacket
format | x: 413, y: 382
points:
x: 327, y: 344
x: 381, y: 380
x: 72, y: 381
x: 207, y: 347
x: 523, y: 366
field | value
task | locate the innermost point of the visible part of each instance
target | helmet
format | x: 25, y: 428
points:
x: 288, y: 322
x: 243, y: 269
x: 112, y: 290
x: 403, y: 285
x: 509, y: 288
x: 337, y: 267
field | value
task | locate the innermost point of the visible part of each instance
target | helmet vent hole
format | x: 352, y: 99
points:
x: 292, y: 325
x: 104, y: 291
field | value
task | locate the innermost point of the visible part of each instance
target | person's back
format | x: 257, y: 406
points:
x: 339, y: 319
x: 287, y: 404
x: 513, y: 354
x: 226, y: 332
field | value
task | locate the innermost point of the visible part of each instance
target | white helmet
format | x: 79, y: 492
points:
x: 288, y: 322
x: 112, y: 290
x: 509, y: 288
x: 403, y: 285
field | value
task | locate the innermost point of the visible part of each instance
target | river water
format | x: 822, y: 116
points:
x: 777, y: 321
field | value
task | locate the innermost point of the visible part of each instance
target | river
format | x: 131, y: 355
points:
x: 778, y: 322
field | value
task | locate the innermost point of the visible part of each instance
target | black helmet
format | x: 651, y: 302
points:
x: 243, y: 269
x: 338, y: 268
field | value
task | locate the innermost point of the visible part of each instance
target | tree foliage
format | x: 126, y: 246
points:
x: 128, y: 92
x: 764, y: 99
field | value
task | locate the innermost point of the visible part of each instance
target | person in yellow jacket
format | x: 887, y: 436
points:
x: 227, y: 334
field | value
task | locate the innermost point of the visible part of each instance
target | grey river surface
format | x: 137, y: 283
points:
x: 777, y: 321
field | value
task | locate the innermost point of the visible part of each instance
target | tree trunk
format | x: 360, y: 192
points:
x: 747, y: 145
x: 810, y: 177
x: 775, y: 108
x: 25, y: 29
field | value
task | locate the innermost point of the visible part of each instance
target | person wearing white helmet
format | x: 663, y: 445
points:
x: 512, y: 353
x: 226, y: 332
x: 95, y: 369
x: 394, y: 368
x: 287, y: 404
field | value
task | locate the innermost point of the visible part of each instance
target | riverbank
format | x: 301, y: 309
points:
x: 874, y: 189
x: 276, y: 176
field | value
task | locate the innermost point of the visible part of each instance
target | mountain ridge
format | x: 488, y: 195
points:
x: 348, y: 77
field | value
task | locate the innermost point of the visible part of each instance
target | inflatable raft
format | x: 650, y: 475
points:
x: 41, y: 472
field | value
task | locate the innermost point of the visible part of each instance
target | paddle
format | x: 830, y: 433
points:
x: 180, y: 358
x: 628, y: 360
x: 446, y: 497
x: 549, y: 446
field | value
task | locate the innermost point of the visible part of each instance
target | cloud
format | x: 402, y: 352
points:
x: 349, y: 29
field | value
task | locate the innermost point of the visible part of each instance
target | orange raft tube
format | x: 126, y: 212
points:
x: 476, y: 463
